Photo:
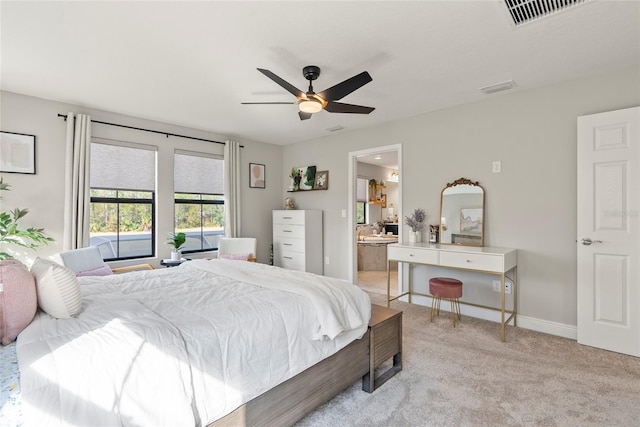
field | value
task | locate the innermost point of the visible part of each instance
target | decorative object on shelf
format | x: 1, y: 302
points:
x: 256, y: 175
x: 372, y: 190
x: 434, y: 232
x: 383, y: 200
x: 17, y: 153
x: 322, y: 180
x: 416, y: 223
x: 10, y: 233
x: 289, y: 203
x: 176, y: 241
x: 295, y: 176
x: 302, y: 178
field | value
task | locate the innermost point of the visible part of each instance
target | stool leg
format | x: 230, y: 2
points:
x: 433, y: 307
x: 458, y: 307
x: 453, y: 311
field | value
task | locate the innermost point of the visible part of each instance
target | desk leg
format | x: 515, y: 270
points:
x: 410, y: 281
x: 388, y: 283
x: 515, y: 297
x: 502, y: 331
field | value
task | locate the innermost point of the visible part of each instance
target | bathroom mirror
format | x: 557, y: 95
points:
x: 462, y: 213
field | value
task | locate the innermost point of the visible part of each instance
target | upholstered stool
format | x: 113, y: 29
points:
x: 449, y: 289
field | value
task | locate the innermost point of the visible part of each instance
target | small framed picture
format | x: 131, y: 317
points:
x: 256, y: 176
x: 322, y: 180
x: 17, y: 153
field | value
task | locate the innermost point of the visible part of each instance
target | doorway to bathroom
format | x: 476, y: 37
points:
x: 375, y: 205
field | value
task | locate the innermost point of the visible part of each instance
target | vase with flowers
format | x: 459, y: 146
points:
x: 416, y: 222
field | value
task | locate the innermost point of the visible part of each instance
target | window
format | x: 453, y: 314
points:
x: 199, y: 199
x: 361, y: 200
x: 122, y: 209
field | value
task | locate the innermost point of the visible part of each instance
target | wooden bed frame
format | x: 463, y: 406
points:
x: 290, y: 401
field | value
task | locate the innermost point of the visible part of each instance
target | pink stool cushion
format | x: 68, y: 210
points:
x: 445, y: 287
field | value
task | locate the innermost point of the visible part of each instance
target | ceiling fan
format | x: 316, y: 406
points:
x: 311, y: 102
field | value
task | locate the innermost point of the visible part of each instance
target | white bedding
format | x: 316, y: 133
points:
x: 184, y: 345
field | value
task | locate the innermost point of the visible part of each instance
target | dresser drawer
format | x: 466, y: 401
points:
x: 288, y: 231
x: 289, y: 217
x: 418, y: 255
x: 285, y: 244
x: 485, y: 262
x: 290, y: 260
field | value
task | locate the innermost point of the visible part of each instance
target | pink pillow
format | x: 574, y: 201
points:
x: 105, y: 270
x: 239, y: 257
x: 18, y: 299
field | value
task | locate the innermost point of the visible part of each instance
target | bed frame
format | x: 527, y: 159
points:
x: 288, y: 402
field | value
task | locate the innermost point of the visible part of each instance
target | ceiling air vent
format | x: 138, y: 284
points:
x: 523, y: 11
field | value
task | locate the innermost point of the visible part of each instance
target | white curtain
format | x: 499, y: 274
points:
x: 232, y: 189
x: 76, y: 192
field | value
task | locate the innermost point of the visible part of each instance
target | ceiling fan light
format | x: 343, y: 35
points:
x: 310, y: 106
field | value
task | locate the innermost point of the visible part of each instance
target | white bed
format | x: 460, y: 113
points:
x: 184, y: 345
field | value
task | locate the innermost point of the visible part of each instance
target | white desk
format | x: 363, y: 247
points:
x: 498, y: 261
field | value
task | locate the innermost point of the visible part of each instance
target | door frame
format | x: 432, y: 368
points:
x: 352, y: 258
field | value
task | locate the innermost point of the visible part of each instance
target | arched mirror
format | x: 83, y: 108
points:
x: 462, y: 213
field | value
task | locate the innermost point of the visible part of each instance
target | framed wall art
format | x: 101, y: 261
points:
x: 322, y: 180
x: 256, y: 175
x: 17, y: 153
x: 471, y: 220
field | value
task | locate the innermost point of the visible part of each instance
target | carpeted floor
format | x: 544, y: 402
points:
x: 467, y: 377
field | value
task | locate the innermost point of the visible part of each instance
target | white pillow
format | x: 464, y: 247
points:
x: 58, y: 289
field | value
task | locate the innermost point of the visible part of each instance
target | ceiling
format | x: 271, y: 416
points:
x: 193, y: 63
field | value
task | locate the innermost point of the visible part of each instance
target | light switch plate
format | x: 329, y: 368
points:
x: 497, y: 166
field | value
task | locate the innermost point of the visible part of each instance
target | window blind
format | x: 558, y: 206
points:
x: 198, y: 173
x: 122, y: 168
x: 363, y: 190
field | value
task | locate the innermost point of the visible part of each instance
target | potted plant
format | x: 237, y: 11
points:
x: 10, y: 233
x: 296, y: 177
x: 176, y: 241
x: 416, y: 222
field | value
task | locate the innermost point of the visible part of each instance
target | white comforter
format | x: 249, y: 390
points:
x: 184, y: 345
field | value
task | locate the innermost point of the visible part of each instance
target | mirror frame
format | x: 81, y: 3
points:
x: 461, y: 181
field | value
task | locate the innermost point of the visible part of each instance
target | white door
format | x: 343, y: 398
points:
x: 609, y: 231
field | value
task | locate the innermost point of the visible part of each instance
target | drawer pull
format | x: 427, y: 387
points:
x: 410, y: 254
x: 287, y: 244
x: 287, y: 217
x: 287, y: 231
x: 287, y: 257
x: 468, y: 260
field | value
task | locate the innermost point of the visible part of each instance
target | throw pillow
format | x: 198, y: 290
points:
x: 105, y: 270
x: 240, y: 257
x: 58, y: 289
x: 18, y: 300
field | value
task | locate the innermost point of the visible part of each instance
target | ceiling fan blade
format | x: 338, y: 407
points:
x: 288, y: 86
x: 304, y: 116
x: 260, y: 103
x: 339, y: 107
x: 346, y: 87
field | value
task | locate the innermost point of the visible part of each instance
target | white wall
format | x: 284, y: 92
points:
x: 530, y: 206
x: 43, y: 193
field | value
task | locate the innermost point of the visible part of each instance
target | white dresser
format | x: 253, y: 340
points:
x: 297, y: 240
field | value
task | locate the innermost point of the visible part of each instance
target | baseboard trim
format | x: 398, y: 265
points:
x: 525, y: 322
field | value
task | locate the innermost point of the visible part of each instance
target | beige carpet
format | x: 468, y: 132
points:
x: 467, y: 377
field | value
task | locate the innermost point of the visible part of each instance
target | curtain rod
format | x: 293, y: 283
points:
x: 167, y: 134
